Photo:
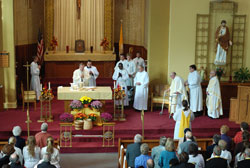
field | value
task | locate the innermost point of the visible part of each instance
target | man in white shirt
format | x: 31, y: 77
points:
x: 78, y: 75
x: 91, y: 74
x: 138, y: 61
x: 123, y: 61
x: 35, y: 79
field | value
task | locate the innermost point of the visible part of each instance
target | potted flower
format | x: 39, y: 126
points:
x: 219, y: 72
x: 106, y: 117
x: 96, y: 105
x: 242, y: 75
x: 79, y: 117
x: 66, y: 117
x: 92, y: 116
x: 86, y: 101
x: 76, y: 105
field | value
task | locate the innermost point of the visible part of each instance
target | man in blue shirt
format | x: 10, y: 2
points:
x: 142, y: 159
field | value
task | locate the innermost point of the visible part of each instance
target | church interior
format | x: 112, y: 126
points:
x: 58, y: 37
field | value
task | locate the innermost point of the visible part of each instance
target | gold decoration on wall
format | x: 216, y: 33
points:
x: 109, y: 22
x: 49, y: 22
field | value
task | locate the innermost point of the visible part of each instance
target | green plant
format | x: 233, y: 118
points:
x: 242, y: 75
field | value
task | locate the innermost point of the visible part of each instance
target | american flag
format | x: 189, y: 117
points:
x: 40, y: 46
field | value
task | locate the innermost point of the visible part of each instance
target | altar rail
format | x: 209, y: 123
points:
x: 202, y: 144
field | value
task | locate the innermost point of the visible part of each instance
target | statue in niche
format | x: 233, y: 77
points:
x: 222, y: 43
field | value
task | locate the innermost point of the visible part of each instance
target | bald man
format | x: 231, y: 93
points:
x: 214, y: 102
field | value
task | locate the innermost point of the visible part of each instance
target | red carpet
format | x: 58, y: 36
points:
x: 155, y: 126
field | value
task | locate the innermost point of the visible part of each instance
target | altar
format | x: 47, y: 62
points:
x: 62, y: 65
x: 67, y: 95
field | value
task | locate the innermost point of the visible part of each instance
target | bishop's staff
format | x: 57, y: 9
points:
x: 28, y: 121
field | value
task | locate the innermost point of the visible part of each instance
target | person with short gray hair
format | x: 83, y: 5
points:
x: 14, y: 160
x: 144, y: 157
x: 156, y: 151
x: 20, y: 142
x: 41, y: 137
x: 217, y: 161
x: 133, y: 150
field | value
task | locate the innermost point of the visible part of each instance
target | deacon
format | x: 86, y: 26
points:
x: 194, y: 84
x: 35, y: 79
x: 78, y: 75
x: 214, y: 102
x: 131, y: 69
x: 123, y: 61
x: 141, y: 81
x: 121, y: 76
x: 138, y: 60
x: 91, y: 74
x: 177, y: 92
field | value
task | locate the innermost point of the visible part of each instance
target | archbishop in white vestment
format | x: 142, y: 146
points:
x: 139, y: 61
x: 214, y: 102
x: 35, y: 79
x: 141, y: 81
x: 91, y: 74
x: 194, y: 84
x: 177, y: 92
x: 120, y: 76
x: 78, y: 74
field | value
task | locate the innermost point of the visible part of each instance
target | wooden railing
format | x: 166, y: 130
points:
x: 202, y: 144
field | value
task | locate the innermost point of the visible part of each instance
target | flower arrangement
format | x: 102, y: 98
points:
x: 80, y: 116
x: 85, y: 100
x: 104, y: 43
x: 54, y: 43
x: 92, y: 116
x: 76, y: 104
x: 119, y: 93
x: 96, y: 104
x: 66, y: 117
x: 106, y: 117
x: 46, y: 94
x: 219, y: 72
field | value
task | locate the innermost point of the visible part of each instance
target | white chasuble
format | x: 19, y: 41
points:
x: 141, y: 91
x: 91, y: 78
x: 121, y: 81
x: 139, y: 62
x: 214, y: 102
x: 177, y: 85
x: 77, y: 76
x: 35, y: 79
x: 194, y: 84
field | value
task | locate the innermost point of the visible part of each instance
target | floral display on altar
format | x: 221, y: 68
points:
x: 119, y: 93
x: 46, y: 94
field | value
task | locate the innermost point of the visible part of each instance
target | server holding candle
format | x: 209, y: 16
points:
x: 35, y: 79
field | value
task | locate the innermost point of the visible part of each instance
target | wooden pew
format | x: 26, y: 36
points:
x: 202, y: 144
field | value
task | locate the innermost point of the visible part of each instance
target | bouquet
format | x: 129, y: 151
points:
x: 80, y: 116
x: 106, y: 117
x: 104, y: 43
x: 76, y: 104
x: 219, y: 72
x: 53, y: 43
x: 66, y: 117
x: 96, y: 104
x: 92, y: 116
x: 46, y: 94
x: 85, y: 100
x: 119, y: 93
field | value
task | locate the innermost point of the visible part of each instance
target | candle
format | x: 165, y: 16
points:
x: 49, y: 85
x: 114, y: 84
x: 41, y: 87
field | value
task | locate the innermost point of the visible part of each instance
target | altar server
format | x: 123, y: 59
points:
x: 35, y: 79
x: 141, y: 89
x: 183, y: 118
x: 120, y: 76
x: 78, y: 75
x: 91, y: 74
x: 123, y: 61
x: 214, y: 102
x: 194, y: 84
x: 138, y: 60
x: 131, y: 69
x: 177, y: 92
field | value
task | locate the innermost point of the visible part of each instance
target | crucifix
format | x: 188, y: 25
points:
x: 78, y: 4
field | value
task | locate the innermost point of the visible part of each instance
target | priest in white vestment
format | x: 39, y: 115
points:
x: 194, y: 84
x: 139, y: 61
x: 121, y: 76
x: 177, y: 92
x: 123, y: 61
x: 35, y: 79
x: 131, y: 69
x: 78, y: 75
x: 214, y: 102
x: 141, y: 81
x: 91, y: 74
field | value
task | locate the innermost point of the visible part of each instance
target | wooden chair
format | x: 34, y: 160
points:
x: 157, y: 92
x: 28, y: 96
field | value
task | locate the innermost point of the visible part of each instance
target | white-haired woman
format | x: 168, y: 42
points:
x: 55, y: 158
x: 31, y: 153
x: 20, y: 142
